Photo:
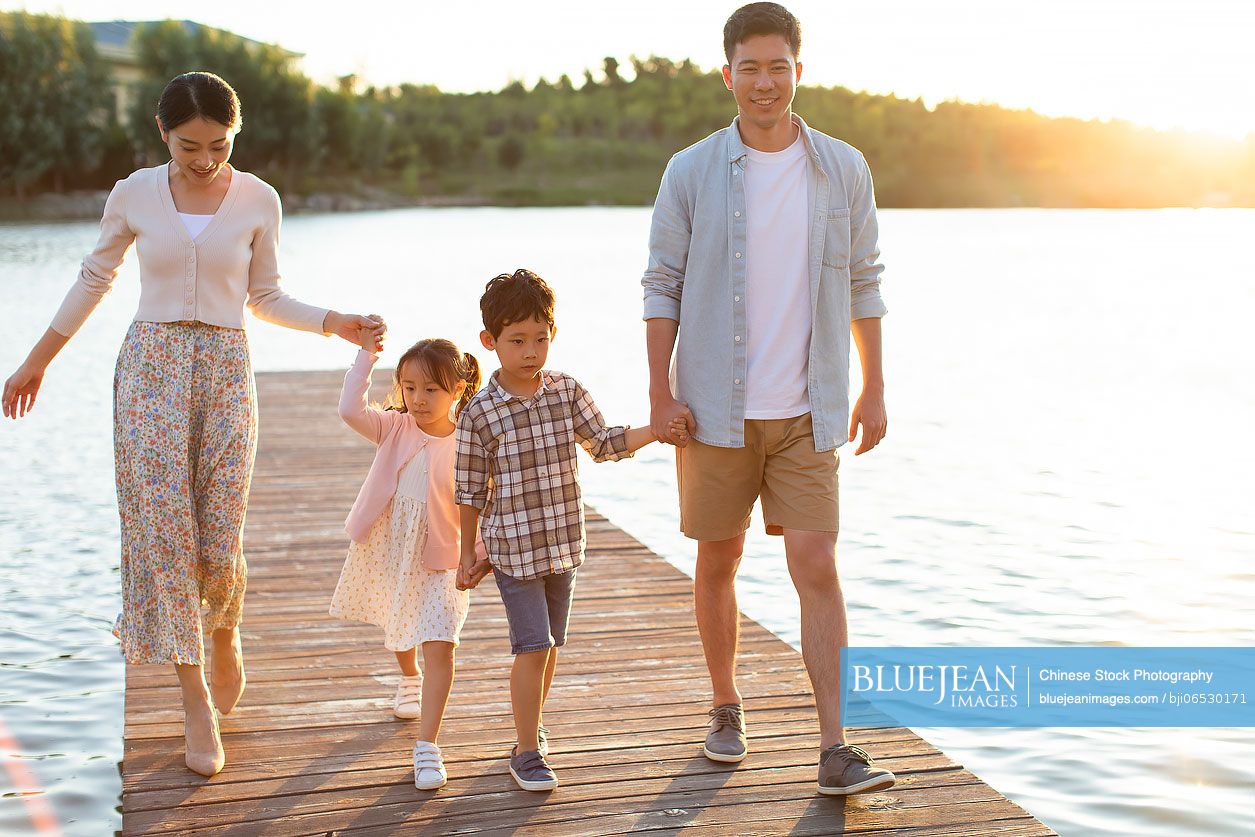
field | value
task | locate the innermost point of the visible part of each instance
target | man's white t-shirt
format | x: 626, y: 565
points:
x: 777, y: 283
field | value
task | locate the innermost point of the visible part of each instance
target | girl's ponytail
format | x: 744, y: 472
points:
x: 471, y: 375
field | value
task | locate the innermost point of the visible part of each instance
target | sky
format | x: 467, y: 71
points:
x: 1163, y: 63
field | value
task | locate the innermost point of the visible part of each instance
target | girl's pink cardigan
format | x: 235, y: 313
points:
x: 398, y: 439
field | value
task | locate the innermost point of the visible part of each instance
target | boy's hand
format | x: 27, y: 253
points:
x: 471, y: 571
x: 478, y: 573
x: 678, y: 429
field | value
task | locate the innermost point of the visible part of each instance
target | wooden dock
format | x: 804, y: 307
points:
x: 314, y: 749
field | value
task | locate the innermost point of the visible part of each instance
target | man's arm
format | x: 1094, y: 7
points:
x: 660, y: 334
x: 670, y: 235
x: 866, y: 309
x: 865, y: 266
x: 869, y: 410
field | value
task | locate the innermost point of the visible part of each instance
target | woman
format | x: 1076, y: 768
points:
x: 185, y: 425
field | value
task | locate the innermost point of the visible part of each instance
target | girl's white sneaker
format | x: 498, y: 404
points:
x: 429, y: 772
x: 409, y: 697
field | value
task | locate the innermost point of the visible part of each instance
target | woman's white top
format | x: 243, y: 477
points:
x: 194, y: 224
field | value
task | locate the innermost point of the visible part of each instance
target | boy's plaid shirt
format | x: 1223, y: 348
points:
x: 516, y: 463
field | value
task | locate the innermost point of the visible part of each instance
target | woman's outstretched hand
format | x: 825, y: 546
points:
x: 20, y: 391
x: 367, y: 332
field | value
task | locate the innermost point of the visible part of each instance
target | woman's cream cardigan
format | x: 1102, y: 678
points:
x: 232, y: 263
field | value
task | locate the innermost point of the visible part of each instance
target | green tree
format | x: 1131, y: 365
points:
x: 510, y: 153
x: 57, y: 105
x: 276, y: 98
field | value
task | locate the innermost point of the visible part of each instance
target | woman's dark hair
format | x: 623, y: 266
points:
x: 762, y: 19
x: 198, y: 94
x: 445, y: 364
x: 515, y: 298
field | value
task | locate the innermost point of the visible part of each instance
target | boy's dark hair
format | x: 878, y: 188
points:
x: 761, y: 19
x: 513, y: 298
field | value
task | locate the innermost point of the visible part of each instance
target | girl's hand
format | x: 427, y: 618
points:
x: 20, y: 391
x: 367, y: 332
x: 372, y: 339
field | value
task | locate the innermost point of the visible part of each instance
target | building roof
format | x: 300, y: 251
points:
x: 117, y: 33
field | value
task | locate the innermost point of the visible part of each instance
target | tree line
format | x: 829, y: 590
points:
x: 602, y: 139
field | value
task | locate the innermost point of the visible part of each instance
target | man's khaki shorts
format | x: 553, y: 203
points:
x: 779, y: 463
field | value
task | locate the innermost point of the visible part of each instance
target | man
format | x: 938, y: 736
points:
x: 763, y: 261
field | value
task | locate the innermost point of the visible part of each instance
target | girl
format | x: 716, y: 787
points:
x: 401, y: 568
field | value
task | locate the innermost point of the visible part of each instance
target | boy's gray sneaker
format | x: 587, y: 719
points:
x: 845, y: 769
x: 542, y: 739
x: 531, y: 771
x: 726, y: 740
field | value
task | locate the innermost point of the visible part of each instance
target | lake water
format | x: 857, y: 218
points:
x: 1069, y: 461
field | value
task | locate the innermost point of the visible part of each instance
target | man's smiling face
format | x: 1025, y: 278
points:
x: 763, y: 78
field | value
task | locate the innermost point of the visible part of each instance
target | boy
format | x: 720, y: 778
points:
x: 516, y: 466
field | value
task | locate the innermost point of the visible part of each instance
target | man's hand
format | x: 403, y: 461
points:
x: 869, y: 411
x: 671, y: 420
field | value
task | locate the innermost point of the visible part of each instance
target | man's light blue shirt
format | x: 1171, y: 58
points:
x: 696, y: 276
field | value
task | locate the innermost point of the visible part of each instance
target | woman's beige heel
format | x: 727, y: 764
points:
x: 207, y: 762
x: 227, y: 696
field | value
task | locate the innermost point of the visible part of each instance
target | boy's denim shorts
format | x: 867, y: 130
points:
x: 537, y: 609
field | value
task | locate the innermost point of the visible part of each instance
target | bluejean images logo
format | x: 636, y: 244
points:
x: 1067, y: 686
x: 953, y: 685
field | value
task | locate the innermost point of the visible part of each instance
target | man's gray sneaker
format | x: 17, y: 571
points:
x: 726, y: 740
x: 531, y: 771
x: 845, y: 769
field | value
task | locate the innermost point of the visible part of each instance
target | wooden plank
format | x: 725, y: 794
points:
x: 314, y: 749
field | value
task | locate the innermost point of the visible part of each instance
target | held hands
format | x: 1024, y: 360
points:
x: 371, y: 338
x: 678, y: 429
x: 471, y: 570
x: 368, y: 332
x: 20, y: 391
x: 671, y: 420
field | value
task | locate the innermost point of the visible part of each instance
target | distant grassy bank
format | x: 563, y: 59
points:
x: 603, y: 139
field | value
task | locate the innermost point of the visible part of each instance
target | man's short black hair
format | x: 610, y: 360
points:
x: 515, y: 298
x: 762, y: 19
